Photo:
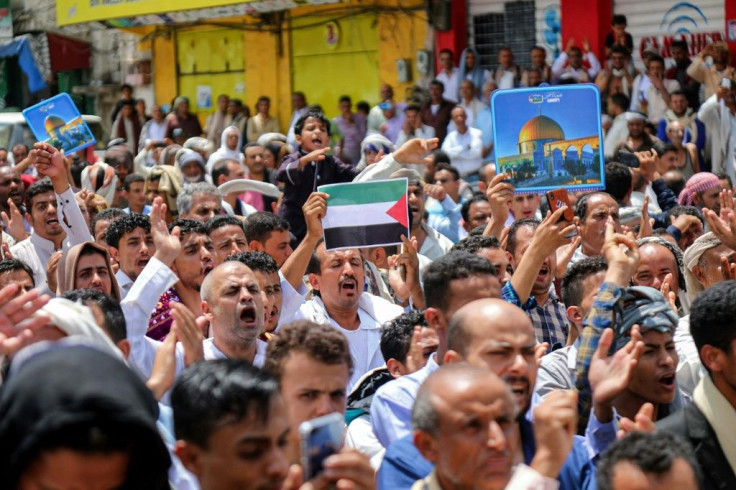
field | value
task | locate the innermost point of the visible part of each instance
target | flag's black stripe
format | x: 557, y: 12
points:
x: 364, y: 236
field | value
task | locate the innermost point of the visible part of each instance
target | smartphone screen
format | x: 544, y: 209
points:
x: 628, y: 159
x: 320, y: 438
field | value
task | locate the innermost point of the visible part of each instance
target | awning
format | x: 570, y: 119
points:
x: 21, y: 47
x: 81, y: 16
x: 68, y: 54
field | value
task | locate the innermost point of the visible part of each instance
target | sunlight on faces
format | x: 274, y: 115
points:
x: 653, y: 379
x: 44, y: 218
x: 277, y: 245
x: 416, y: 204
x: 93, y: 273
x: 228, y: 240
x: 19, y: 277
x: 524, y: 205
x: 546, y: 272
x: 134, y: 251
x: 270, y: 285
x: 248, y: 454
x: 655, y: 262
x: 473, y: 445
x: 708, y: 199
x: 136, y: 196
x: 234, y: 304
x: 204, y: 207
x: 195, y: 260
x: 312, y: 389
x: 499, y: 259
x: 313, y: 136
x: 479, y: 213
x: 502, y: 340
x: 11, y: 186
x: 601, y: 208
x: 341, y: 278
x: 707, y: 271
x: 254, y: 158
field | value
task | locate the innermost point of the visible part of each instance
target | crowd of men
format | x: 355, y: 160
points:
x: 170, y: 315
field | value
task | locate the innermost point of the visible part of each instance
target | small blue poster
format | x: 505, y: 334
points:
x: 57, y: 121
x: 549, y: 137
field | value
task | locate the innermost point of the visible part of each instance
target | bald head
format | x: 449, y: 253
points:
x: 449, y: 385
x: 462, y: 417
x: 497, y: 336
x: 485, y: 318
x: 218, y: 274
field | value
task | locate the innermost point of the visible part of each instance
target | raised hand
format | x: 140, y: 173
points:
x: 643, y: 422
x: 723, y: 226
x: 645, y: 225
x: 555, y: 423
x: 408, y: 286
x: 167, y: 244
x: 314, y: 211
x: 622, y: 255
x: 313, y: 156
x: 188, y: 332
x: 609, y: 375
x: 14, y: 223
x: 19, y: 318
x: 415, y: 151
x: 564, y: 255
x: 499, y: 194
x: 163, y: 372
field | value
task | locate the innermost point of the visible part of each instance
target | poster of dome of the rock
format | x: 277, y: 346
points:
x: 57, y: 121
x: 549, y: 137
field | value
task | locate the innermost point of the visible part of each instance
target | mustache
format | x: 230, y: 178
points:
x: 346, y: 278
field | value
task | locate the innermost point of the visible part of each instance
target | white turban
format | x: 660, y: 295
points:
x: 692, y: 256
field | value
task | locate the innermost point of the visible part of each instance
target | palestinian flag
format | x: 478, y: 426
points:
x: 366, y: 214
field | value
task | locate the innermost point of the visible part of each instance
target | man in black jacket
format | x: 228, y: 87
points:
x: 708, y: 422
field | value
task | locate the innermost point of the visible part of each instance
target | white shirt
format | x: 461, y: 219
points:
x: 36, y: 251
x: 619, y: 132
x: 471, y: 110
x: 424, y: 132
x: 373, y: 312
x: 211, y: 352
x: 124, y: 283
x: 465, y: 150
x: 689, y: 367
x: 450, y: 82
x: 656, y: 106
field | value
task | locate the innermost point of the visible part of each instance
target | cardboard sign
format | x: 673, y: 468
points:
x: 549, y: 137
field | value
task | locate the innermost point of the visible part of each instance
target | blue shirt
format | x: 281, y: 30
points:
x: 403, y: 464
x: 146, y: 210
x: 392, y: 403
x: 444, y: 216
x: 484, y: 122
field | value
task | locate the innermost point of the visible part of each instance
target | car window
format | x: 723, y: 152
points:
x: 99, y: 132
x: 5, y: 129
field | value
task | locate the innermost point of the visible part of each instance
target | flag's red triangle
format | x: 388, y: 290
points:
x: 399, y: 211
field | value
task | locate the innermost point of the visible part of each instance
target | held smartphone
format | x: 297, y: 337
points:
x: 628, y: 159
x: 726, y: 82
x: 320, y: 438
x: 557, y: 199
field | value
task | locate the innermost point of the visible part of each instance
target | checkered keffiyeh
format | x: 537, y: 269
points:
x: 697, y: 184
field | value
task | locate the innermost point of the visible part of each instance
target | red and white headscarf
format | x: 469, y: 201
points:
x: 697, y: 184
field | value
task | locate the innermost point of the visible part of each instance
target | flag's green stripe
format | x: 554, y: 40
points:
x: 363, y: 236
x: 364, y: 192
